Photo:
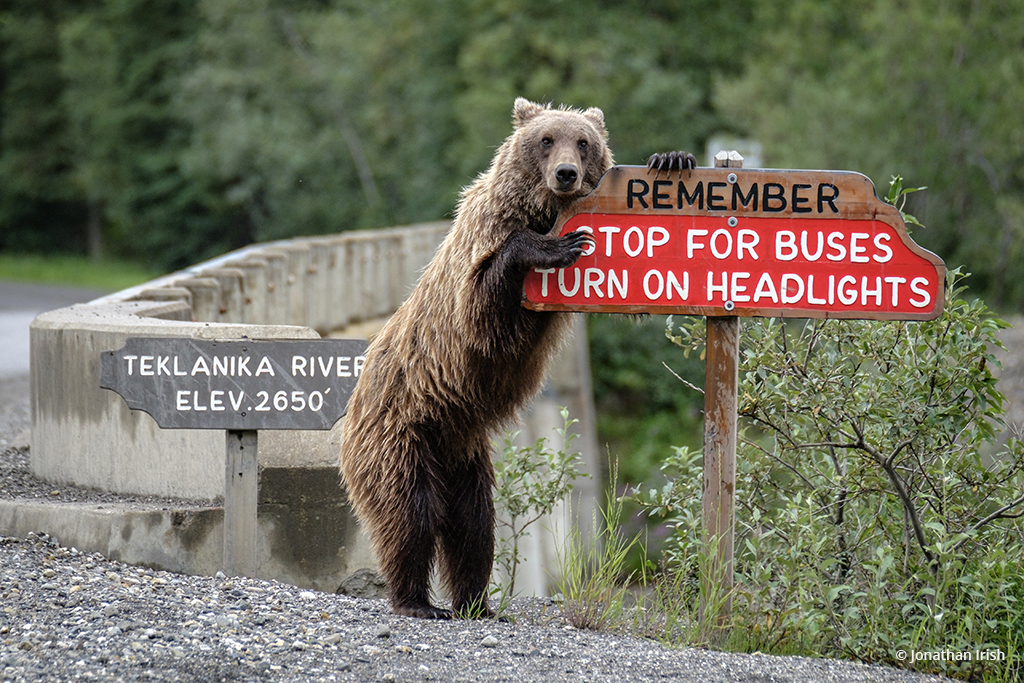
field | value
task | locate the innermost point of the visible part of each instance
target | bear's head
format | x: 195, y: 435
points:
x: 566, y: 149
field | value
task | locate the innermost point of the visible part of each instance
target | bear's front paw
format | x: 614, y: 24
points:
x: 570, y: 247
x: 671, y: 161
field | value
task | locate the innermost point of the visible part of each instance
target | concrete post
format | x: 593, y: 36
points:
x: 298, y: 264
x: 205, y: 297
x: 277, y: 284
x: 232, y: 298
x: 318, y: 291
x: 254, y: 288
x: 342, y: 305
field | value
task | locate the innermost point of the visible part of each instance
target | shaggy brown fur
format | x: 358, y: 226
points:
x: 458, y: 360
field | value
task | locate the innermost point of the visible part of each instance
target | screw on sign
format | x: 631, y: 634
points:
x: 728, y: 242
x: 240, y: 386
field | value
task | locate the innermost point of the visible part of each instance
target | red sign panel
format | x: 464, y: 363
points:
x: 743, y: 243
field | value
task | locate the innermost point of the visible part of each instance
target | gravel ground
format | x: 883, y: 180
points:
x: 67, y: 615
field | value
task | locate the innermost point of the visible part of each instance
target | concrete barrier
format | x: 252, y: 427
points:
x: 306, y: 288
x: 296, y: 289
x: 306, y: 534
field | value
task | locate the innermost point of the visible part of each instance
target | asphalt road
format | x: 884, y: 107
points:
x: 20, y: 303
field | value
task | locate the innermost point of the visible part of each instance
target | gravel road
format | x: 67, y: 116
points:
x: 69, y: 615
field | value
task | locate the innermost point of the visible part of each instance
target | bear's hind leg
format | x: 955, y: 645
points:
x: 467, y: 536
x: 406, y: 548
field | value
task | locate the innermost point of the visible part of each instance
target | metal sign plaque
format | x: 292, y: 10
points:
x: 189, y: 383
x: 741, y: 242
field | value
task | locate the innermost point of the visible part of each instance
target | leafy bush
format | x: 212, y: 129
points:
x: 875, y: 515
x: 530, y: 482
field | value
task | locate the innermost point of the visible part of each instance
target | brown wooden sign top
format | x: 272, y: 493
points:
x: 741, y: 242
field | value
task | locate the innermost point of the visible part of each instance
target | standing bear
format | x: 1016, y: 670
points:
x: 460, y: 358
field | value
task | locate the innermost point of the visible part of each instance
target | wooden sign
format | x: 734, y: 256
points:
x: 187, y: 383
x: 741, y: 242
x: 240, y: 387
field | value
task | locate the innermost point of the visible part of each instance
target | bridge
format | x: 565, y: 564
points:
x: 342, y: 286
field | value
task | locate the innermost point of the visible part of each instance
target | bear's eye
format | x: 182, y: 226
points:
x: 546, y: 141
x: 582, y: 144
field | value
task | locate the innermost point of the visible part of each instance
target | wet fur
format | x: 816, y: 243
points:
x: 460, y: 358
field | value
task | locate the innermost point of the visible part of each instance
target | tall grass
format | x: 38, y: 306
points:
x: 595, y: 582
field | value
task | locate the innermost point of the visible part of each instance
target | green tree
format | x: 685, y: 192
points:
x: 123, y: 63
x: 90, y: 69
x: 90, y: 145
x: 180, y: 130
x: 932, y: 88
x: 38, y: 205
x: 649, y: 66
x: 397, y: 64
x: 257, y: 136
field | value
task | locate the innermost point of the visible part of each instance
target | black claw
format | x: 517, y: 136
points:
x: 578, y: 238
x: 570, y: 248
x: 671, y: 161
x: 425, y: 611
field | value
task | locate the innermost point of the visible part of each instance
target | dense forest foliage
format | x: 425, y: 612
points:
x: 175, y: 130
x: 168, y: 132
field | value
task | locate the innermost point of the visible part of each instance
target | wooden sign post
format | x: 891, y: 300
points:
x: 240, y: 387
x: 721, y: 381
x: 729, y: 242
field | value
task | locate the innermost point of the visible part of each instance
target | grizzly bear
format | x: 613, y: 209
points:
x: 460, y: 358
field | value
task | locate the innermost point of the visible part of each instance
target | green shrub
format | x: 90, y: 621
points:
x: 875, y: 514
x: 530, y: 482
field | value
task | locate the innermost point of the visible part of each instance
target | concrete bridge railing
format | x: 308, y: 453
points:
x: 344, y: 285
x: 294, y: 289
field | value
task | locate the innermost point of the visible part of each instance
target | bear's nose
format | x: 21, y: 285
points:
x: 566, y: 174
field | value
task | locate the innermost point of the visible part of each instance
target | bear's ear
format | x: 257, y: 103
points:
x: 596, y: 117
x: 524, y: 110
